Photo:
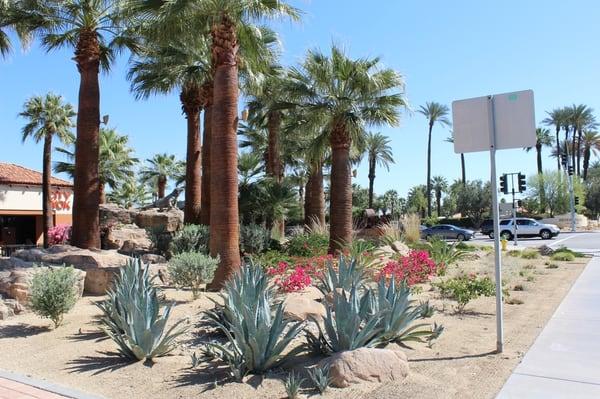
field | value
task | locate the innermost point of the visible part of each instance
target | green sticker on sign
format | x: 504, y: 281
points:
x: 512, y: 97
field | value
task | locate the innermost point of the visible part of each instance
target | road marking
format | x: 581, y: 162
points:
x: 567, y: 238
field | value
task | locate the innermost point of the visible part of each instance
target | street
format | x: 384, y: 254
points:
x: 587, y: 241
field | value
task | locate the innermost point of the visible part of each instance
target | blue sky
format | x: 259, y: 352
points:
x: 445, y: 50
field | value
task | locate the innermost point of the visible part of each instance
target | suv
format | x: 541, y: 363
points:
x: 526, y: 228
x: 487, y: 227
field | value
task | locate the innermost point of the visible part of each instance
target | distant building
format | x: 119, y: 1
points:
x: 21, y: 204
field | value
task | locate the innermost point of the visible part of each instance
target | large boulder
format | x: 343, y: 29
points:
x: 113, y: 214
x: 301, y: 307
x: 100, y: 265
x: 366, y: 365
x: 128, y: 239
x: 167, y: 220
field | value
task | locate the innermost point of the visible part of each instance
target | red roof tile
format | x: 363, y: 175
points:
x: 15, y: 174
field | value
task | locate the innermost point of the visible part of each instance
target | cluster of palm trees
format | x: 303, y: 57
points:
x: 210, y: 51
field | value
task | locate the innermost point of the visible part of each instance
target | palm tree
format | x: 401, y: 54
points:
x: 9, y: 23
x: 591, y: 145
x: 184, y: 65
x: 556, y: 118
x: 93, y: 29
x: 160, y: 169
x: 581, y: 117
x: 463, y: 172
x: 47, y: 117
x: 380, y: 153
x: 435, y: 113
x: 542, y: 139
x: 249, y: 167
x: 439, y: 186
x: 344, y: 96
x: 130, y: 193
x: 116, y: 161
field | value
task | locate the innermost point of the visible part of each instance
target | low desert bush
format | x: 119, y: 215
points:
x: 59, y: 234
x: 514, y: 301
x: 131, y: 315
x: 530, y: 254
x: 417, y: 267
x: 192, y: 270
x: 570, y: 251
x: 465, y: 288
x: 515, y: 253
x: 519, y: 287
x: 563, y: 256
x: 445, y: 254
x: 254, y: 239
x: 53, y: 292
x: 271, y: 258
x: 308, y: 244
x: 192, y: 238
x: 552, y: 266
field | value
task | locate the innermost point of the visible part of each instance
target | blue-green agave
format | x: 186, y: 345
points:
x: 349, y: 273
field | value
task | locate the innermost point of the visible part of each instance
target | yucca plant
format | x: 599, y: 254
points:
x: 349, y: 273
x: 398, y: 313
x: 255, y: 333
x: 292, y: 385
x: 132, y: 318
x: 349, y: 322
x: 320, y: 377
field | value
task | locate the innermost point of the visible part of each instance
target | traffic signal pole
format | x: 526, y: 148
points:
x: 570, y: 171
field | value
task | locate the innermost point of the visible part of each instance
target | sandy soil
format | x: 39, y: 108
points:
x: 461, y: 364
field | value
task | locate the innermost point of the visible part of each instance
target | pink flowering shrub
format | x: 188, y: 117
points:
x: 301, y: 273
x: 417, y: 267
x: 59, y: 234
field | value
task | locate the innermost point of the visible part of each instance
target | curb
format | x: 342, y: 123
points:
x: 47, y: 386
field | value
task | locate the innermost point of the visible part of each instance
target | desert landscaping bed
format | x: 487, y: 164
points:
x: 460, y: 364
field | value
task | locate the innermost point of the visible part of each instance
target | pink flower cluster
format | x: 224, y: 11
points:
x: 301, y: 274
x: 59, y: 234
x: 417, y: 267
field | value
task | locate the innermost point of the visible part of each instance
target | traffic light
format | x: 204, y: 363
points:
x: 576, y: 200
x: 503, y: 185
x: 519, y: 204
x: 522, y: 184
x: 563, y: 160
x: 570, y: 171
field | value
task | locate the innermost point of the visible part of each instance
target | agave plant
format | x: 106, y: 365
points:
x: 255, y: 333
x: 349, y: 273
x: 398, y: 314
x: 131, y: 315
x: 349, y: 322
x: 292, y: 385
x: 444, y: 254
x: 320, y: 377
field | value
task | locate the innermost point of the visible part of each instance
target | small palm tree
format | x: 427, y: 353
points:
x: 435, y: 113
x: 159, y: 170
x: 379, y: 153
x: 439, y: 186
x: 542, y: 139
x: 47, y: 117
x: 130, y: 193
x: 116, y: 161
x: 591, y: 145
x: 249, y: 167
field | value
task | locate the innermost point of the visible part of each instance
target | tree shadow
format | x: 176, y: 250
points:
x: 472, y: 356
x: 108, y: 361
x: 21, y: 330
x: 95, y: 335
x: 209, y: 375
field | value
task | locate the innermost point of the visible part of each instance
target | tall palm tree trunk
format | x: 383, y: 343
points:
x: 538, y: 150
x: 558, y: 147
x: 428, y: 193
x: 579, y: 140
x: 86, y: 198
x: 371, y: 181
x: 102, y: 193
x: 463, y: 169
x: 162, y: 186
x: 314, y: 205
x: 47, y: 219
x: 191, y: 100
x: 340, y: 231
x: 206, y: 159
x: 438, y: 203
x: 224, y: 216
x: 274, y: 167
x: 586, y: 160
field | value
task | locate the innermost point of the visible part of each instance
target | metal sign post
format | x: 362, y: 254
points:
x: 492, y: 123
x: 496, y: 221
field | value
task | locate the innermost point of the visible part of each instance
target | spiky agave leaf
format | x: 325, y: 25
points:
x: 349, y: 273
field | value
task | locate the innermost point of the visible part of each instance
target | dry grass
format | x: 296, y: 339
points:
x: 316, y: 227
x: 411, y: 228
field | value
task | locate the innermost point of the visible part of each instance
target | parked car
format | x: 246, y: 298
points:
x: 487, y: 227
x: 448, y: 231
x: 526, y: 227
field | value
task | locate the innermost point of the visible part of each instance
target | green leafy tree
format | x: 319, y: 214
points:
x: 379, y: 153
x: 435, y: 113
x: 416, y: 201
x: 592, y: 200
x: 474, y: 199
x: 116, y: 161
x: 556, y: 192
x: 159, y: 170
x: 47, y: 117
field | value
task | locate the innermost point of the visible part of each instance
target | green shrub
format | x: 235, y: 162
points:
x: 443, y: 253
x: 192, y: 238
x: 131, y: 315
x: 465, y: 288
x: 530, y: 254
x: 515, y: 253
x: 192, y: 270
x: 256, y: 335
x: 271, y: 258
x: 161, y: 239
x: 254, y: 239
x: 552, y: 266
x: 563, y: 256
x: 570, y: 251
x: 53, y: 292
x: 308, y: 244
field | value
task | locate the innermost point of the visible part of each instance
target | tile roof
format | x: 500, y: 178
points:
x: 15, y: 174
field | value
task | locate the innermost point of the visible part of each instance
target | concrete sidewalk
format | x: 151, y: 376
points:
x: 17, y: 386
x: 564, y: 361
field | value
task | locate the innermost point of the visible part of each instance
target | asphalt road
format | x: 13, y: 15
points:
x: 587, y: 242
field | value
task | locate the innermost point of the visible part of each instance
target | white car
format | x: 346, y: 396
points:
x: 527, y: 228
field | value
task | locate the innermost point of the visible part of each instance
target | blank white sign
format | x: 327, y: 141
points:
x: 514, y: 118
